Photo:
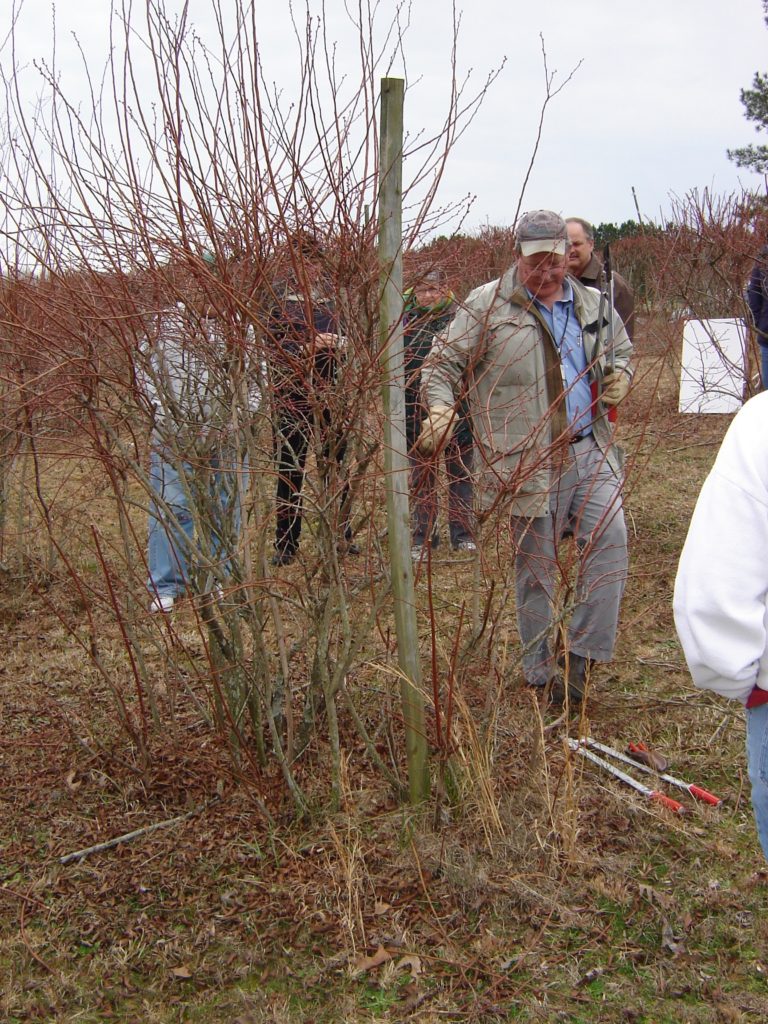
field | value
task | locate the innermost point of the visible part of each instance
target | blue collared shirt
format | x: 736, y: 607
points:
x: 566, y: 331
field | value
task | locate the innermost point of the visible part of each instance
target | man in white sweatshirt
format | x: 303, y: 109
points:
x: 721, y: 590
x: 193, y: 369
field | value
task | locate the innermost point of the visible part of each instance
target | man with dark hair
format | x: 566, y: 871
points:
x: 429, y: 308
x: 532, y: 342
x: 584, y: 265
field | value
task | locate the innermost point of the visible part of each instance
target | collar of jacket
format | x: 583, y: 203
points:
x: 592, y: 275
x: 413, y: 309
x: 510, y: 290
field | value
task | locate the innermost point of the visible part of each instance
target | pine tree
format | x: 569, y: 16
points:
x: 755, y: 102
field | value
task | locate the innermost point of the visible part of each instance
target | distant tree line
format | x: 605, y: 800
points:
x: 607, y: 234
x: 699, y: 259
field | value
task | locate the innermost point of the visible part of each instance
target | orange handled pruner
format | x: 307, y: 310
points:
x: 652, y: 794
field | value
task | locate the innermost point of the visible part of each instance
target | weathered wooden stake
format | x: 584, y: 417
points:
x: 395, y: 454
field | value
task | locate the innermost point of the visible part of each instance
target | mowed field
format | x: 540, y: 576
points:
x: 532, y: 887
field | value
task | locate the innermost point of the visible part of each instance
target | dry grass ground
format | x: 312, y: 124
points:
x: 534, y: 889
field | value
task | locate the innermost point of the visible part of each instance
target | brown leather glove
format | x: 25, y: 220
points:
x: 436, y: 428
x: 615, y: 387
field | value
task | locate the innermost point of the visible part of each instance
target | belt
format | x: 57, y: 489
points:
x: 581, y: 437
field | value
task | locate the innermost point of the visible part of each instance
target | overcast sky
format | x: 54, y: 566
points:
x: 654, y: 103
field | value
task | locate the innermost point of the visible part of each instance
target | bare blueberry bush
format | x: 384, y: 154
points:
x: 150, y: 255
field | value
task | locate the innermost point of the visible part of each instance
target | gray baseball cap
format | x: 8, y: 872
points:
x: 541, y: 231
x: 436, y: 277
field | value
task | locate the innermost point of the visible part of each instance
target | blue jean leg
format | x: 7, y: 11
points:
x: 173, y: 547
x: 169, y: 542
x: 757, y: 761
x: 226, y: 512
x: 764, y: 365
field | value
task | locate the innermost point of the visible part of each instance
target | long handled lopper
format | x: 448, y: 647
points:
x: 652, y: 794
x: 608, y: 271
x: 696, y: 791
x: 603, y: 320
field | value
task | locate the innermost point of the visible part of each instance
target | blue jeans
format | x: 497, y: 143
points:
x: 764, y: 366
x: 171, y: 544
x: 757, y: 761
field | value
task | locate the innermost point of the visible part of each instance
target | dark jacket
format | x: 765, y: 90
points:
x: 299, y: 375
x: 422, y: 326
x: 623, y: 296
x: 757, y: 296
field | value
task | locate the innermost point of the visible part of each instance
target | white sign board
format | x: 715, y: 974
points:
x: 713, y: 370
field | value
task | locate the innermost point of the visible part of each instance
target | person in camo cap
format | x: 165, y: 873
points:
x: 530, y: 345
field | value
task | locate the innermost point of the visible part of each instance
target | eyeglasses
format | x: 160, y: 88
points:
x: 542, y: 262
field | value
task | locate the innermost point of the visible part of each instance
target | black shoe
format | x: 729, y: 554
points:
x: 283, y: 556
x: 577, y: 678
x: 348, y: 547
x: 419, y: 543
x: 552, y: 693
x: 555, y: 690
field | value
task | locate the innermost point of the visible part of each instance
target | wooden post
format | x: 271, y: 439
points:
x: 395, y: 454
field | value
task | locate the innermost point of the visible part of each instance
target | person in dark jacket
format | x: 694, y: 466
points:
x: 584, y: 265
x: 303, y: 348
x: 429, y: 308
x: 757, y: 297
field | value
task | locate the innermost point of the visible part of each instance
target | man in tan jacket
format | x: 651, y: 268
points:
x: 533, y: 348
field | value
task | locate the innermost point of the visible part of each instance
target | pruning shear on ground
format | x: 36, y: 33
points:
x: 639, y: 762
x: 587, y: 747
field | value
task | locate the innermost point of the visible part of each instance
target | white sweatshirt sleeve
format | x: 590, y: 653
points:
x: 722, y: 579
